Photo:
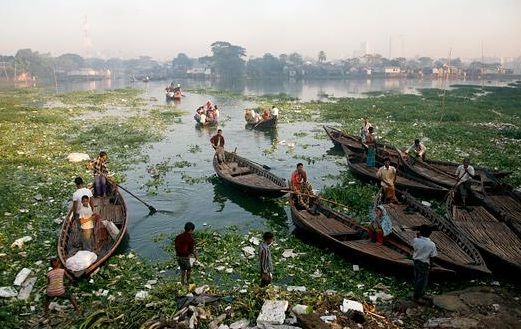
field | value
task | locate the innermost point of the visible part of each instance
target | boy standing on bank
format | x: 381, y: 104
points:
x: 266, y: 265
x: 184, y: 248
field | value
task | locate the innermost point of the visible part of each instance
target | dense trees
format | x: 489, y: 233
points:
x: 227, y: 60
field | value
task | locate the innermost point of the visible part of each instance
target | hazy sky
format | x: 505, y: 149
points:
x: 161, y: 29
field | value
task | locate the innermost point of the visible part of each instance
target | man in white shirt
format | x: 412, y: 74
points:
x: 78, y: 194
x: 465, y: 172
x: 424, y: 250
x: 274, y: 112
x: 417, y: 149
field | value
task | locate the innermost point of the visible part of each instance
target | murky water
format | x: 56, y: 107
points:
x: 210, y: 202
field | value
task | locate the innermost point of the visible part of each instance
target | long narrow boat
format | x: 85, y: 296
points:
x: 264, y: 124
x: 504, y: 204
x: 493, y: 238
x: 345, y: 235
x: 449, y: 168
x: 403, y: 181
x: 354, y: 144
x: 248, y: 176
x: 455, y: 251
x: 111, y: 208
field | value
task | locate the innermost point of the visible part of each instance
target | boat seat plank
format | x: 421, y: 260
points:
x: 327, y: 225
x: 375, y: 249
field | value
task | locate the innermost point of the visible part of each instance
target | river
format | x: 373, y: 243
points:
x: 210, y: 203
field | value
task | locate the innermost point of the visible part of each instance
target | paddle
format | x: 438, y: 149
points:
x: 317, y: 197
x: 150, y: 208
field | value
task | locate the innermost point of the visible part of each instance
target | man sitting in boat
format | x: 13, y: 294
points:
x: 266, y: 115
x: 301, y: 188
x: 251, y: 116
x: 218, y: 145
x: 464, y: 172
x: 387, y: 176
x: 274, y: 112
x: 381, y: 225
x: 417, y: 150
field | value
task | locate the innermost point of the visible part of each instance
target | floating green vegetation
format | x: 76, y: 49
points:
x: 215, y: 92
x: 157, y: 173
x: 195, y: 180
x: 183, y: 164
x: 300, y: 134
x: 37, y: 182
x: 127, y: 97
x: 194, y: 148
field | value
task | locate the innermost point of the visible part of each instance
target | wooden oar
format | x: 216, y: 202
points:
x: 150, y: 208
x: 317, y: 197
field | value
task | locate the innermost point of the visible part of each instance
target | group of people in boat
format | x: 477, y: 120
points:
x: 380, y: 226
x: 94, y: 230
x: 207, y: 114
x: 173, y: 88
x: 253, y: 117
x: 416, y: 152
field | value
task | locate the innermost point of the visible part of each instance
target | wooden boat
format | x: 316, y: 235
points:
x: 345, y: 235
x: 455, y: 251
x: 249, y: 177
x: 504, y: 204
x: 493, y: 238
x: 404, y: 181
x: 444, y: 168
x: 112, y: 208
x: 264, y: 124
x: 354, y: 144
x: 442, y: 177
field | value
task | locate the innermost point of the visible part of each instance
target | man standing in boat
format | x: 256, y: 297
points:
x: 218, y: 145
x: 274, y: 112
x: 387, y: 176
x: 417, y: 150
x: 464, y: 172
x: 100, y: 171
x: 424, y: 250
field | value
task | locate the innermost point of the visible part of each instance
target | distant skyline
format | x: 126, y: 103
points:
x: 161, y: 29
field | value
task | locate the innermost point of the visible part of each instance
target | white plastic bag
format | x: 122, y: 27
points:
x: 112, y: 229
x: 81, y: 260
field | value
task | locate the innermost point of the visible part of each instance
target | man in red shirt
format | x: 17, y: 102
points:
x: 218, y: 145
x: 184, y: 248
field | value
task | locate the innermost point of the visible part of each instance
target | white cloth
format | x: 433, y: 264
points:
x: 79, y: 193
x: 274, y: 112
x: 424, y: 249
x: 86, y: 212
x: 81, y: 260
x: 462, y: 175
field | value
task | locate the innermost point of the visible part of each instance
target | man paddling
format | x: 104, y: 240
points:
x: 218, y: 145
x: 417, y: 150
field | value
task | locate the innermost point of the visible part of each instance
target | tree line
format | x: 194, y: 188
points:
x: 227, y: 61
